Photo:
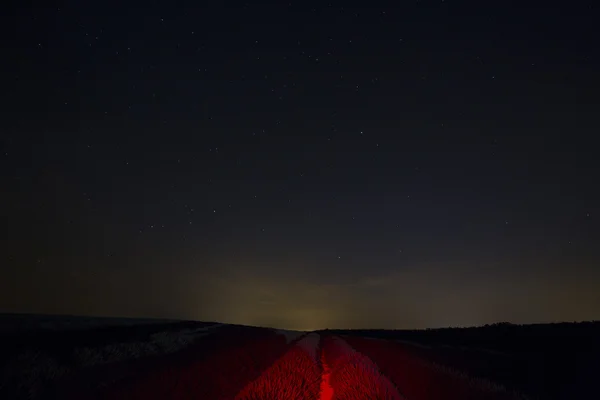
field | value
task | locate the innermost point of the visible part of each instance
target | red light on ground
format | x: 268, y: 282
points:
x: 326, y: 389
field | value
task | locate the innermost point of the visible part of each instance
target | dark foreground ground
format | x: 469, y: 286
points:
x: 545, y: 361
x: 45, y: 357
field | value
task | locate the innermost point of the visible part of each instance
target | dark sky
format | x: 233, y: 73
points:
x: 302, y: 165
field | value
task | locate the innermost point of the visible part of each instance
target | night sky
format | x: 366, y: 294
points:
x: 300, y: 165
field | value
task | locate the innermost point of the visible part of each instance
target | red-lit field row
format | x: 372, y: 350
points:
x: 419, y: 380
x: 295, y: 376
x: 217, y: 367
x: 354, y: 376
x: 246, y: 364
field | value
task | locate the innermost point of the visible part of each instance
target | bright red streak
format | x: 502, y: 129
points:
x: 326, y: 389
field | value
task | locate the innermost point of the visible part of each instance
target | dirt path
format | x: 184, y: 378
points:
x: 326, y: 389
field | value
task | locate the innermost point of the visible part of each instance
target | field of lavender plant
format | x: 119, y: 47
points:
x: 189, y: 360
